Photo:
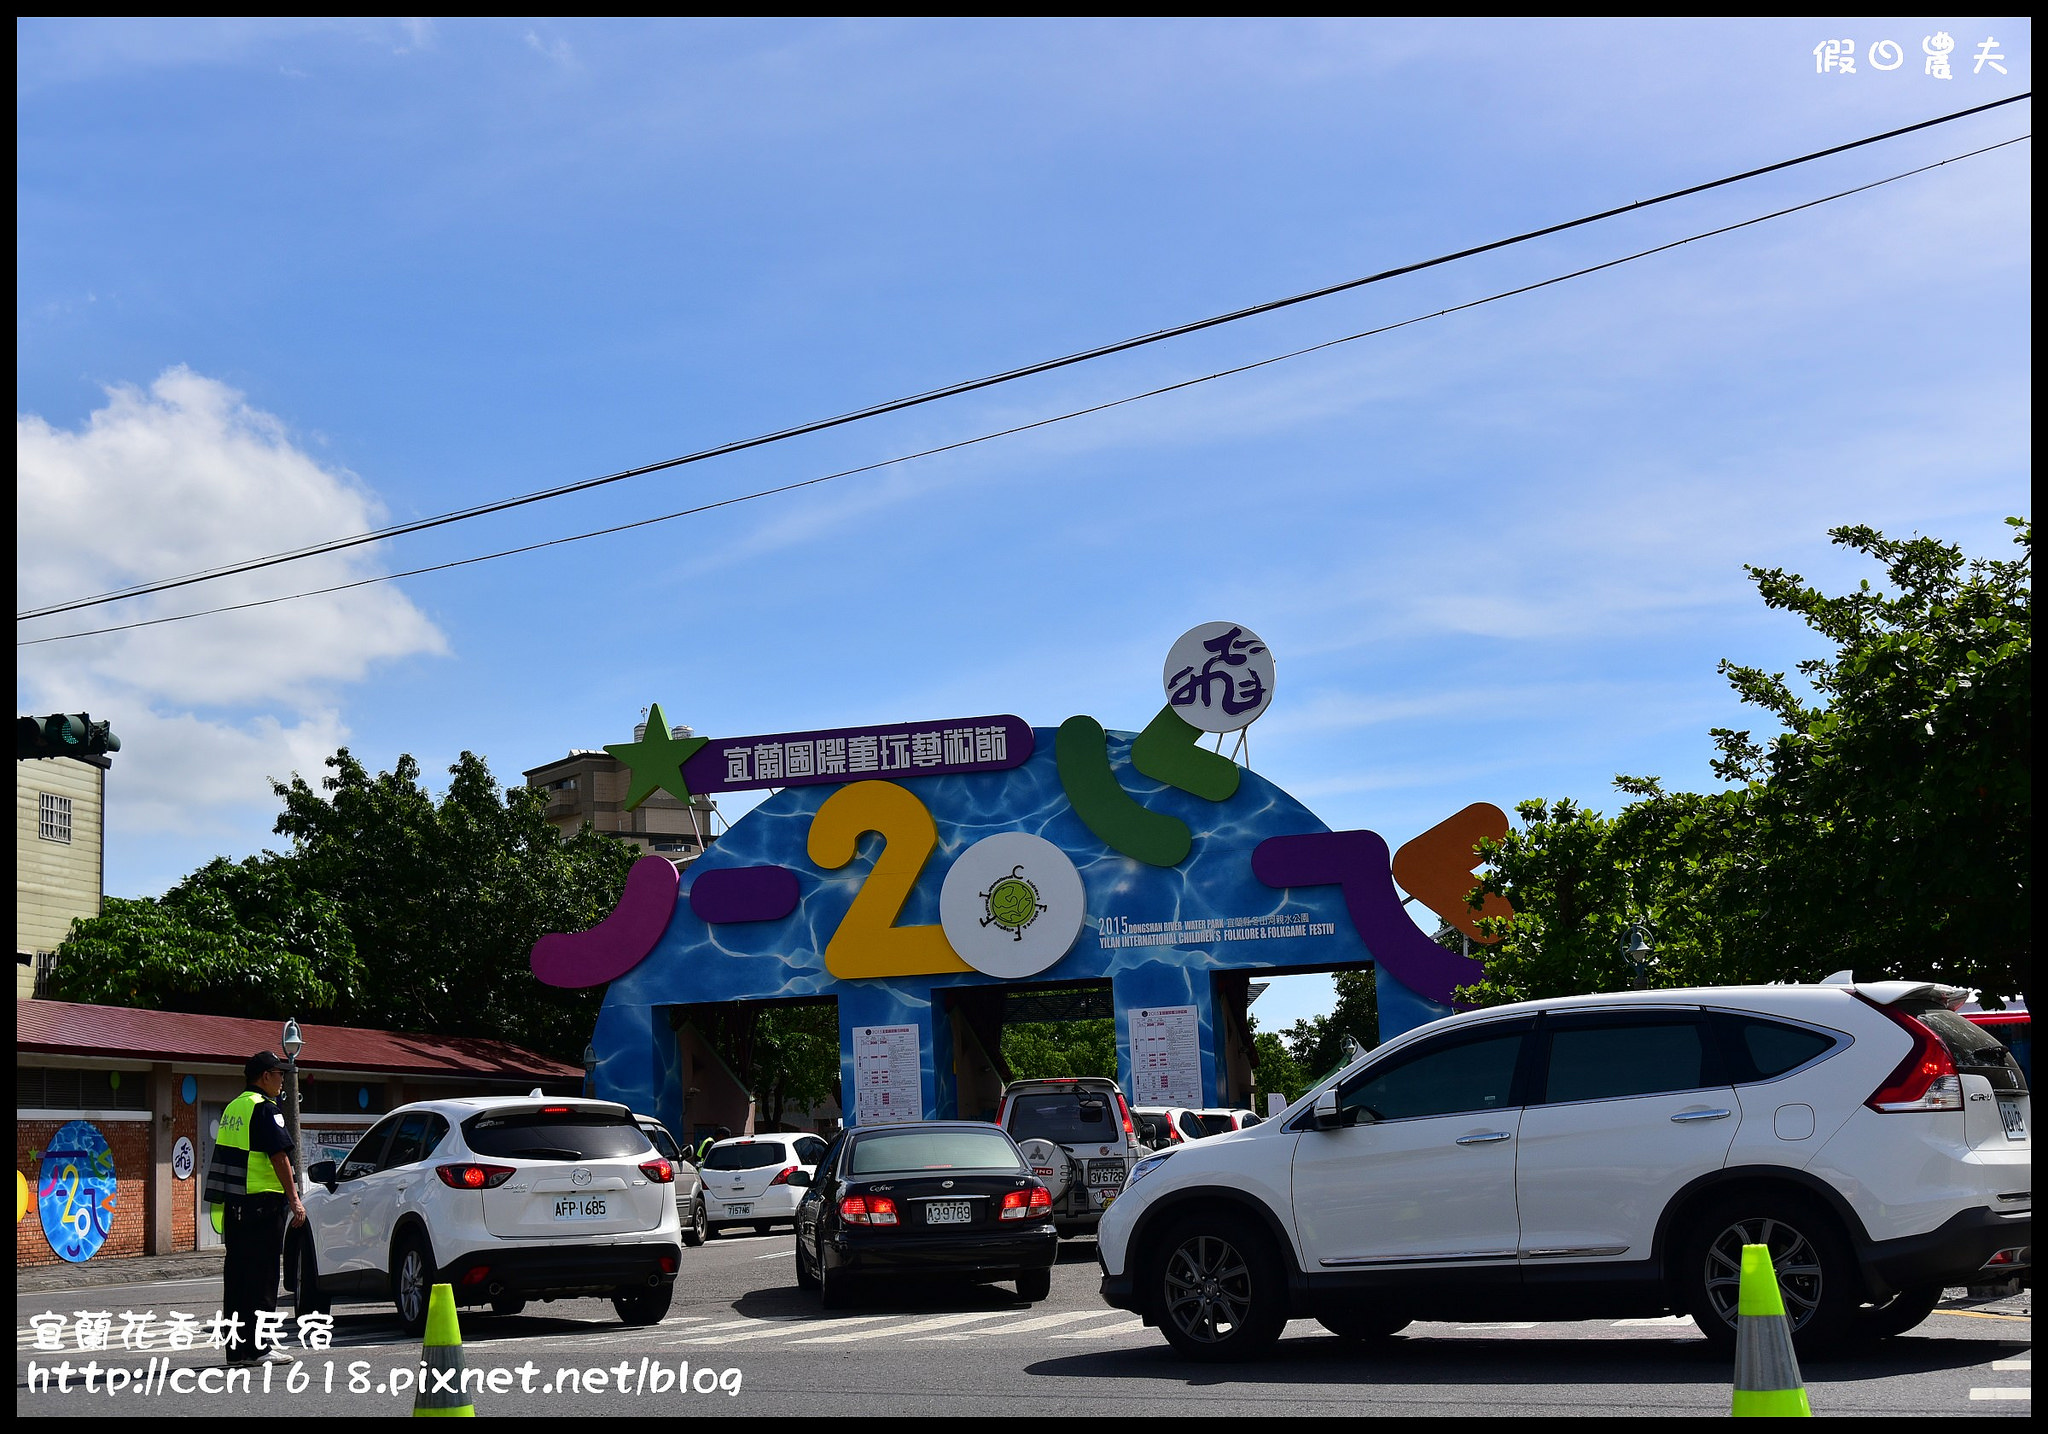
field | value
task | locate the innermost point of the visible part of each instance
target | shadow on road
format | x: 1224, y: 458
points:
x: 1411, y: 1361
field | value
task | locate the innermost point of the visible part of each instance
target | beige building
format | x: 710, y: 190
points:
x: 592, y: 786
x: 59, y: 855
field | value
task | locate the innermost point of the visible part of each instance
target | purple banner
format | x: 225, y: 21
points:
x: 859, y: 754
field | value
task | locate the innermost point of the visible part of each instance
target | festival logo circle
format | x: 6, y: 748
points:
x: 1012, y: 905
x: 1219, y: 676
x: 76, y: 1191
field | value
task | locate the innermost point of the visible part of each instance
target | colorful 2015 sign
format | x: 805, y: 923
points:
x: 76, y: 1191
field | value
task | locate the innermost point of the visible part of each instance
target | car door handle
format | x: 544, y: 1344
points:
x: 1486, y: 1139
x: 1688, y: 1115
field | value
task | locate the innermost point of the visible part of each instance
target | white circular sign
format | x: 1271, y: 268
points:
x: 1219, y: 676
x: 1012, y: 905
x: 182, y: 1158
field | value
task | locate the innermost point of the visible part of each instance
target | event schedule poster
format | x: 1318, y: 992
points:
x: 1166, y: 1056
x: 887, y: 1071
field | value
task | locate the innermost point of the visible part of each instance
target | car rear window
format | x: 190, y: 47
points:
x: 934, y: 1150
x: 1975, y: 1050
x: 1215, y: 1124
x: 539, y: 1135
x: 1613, y: 1061
x: 748, y: 1155
x: 664, y: 1142
x: 1063, y: 1116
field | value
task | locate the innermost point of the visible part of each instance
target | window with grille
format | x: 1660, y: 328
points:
x: 56, y: 818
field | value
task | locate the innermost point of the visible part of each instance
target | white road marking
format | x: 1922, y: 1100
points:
x: 1127, y: 1326
x: 1506, y: 1324
x: 2012, y: 1366
x: 2001, y: 1394
x: 792, y: 1327
x: 918, y: 1326
x: 1051, y: 1321
x: 778, y: 1255
x: 1659, y: 1321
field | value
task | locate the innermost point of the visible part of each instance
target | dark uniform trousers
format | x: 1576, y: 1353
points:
x: 253, y: 1228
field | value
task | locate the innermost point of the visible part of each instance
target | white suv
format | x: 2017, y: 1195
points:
x: 1602, y: 1156
x: 1077, y: 1135
x: 503, y: 1198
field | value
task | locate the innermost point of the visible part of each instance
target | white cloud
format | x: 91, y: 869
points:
x: 557, y: 49
x: 182, y: 478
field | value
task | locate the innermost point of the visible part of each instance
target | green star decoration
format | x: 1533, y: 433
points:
x: 656, y: 760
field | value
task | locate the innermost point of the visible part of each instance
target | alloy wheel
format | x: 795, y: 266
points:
x: 1208, y: 1289
x: 1793, y: 1257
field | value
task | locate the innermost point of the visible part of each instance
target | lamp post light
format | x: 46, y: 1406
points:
x: 1638, y: 951
x: 589, y: 1068
x: 293, y: 1043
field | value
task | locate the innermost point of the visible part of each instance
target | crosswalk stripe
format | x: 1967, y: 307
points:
x: 918, y: 1327
x: 1507, y: 1324
x: 791, y: 1327
x: 1659, y: 1321
x: 1051, y: 1321
x: 2001, y: 1394
x: 2012, y: 1366
x: 1123, y: 1327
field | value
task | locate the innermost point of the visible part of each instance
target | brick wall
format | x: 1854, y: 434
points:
x: 129, y: 1141
x: 185, y: 1193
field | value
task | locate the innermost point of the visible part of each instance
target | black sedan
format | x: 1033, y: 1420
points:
x: 941, y: 1198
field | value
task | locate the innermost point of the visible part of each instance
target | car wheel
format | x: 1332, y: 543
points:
x: 306, y: 1288
x: 1903, y: 1311
x: 806, y: 1277
x: 644, y: 1306
x: 835, y: 1291
x: 1034, y: 1285
x: 1217, y: 1290
x: 699, y: 1228
x: 1363, y: 1326
x: 1807, y: 1250
x: 508, y: 1304
x: 412, y: 1280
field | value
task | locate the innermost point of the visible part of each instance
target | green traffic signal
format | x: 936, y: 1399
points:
x: 65, y: 734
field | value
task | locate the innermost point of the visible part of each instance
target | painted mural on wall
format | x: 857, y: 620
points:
x: 75, y: 1191
x: 1069, y: 854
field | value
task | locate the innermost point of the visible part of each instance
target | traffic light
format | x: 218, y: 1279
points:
x: 66, y: 734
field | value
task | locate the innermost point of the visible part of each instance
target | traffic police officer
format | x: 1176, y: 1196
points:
x: 250, y: 1177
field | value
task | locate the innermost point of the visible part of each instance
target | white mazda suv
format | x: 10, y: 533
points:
x: 505, y: 1199
x: 1597, y: 1157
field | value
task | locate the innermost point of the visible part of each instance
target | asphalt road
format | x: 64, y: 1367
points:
x: 741, y: 1339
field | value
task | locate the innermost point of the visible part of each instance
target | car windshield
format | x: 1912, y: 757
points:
x: 555, y: 1135
x: 747, y: 1155
x: 1064, y: 1115
x: 1216, y: 1124
x: 909, y: 1151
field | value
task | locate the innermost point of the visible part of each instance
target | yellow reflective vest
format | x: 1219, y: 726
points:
x: 235, y: 1169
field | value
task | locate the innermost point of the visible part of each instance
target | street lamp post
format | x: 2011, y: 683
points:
x: 293, y: 1043
x: 1638, y: 951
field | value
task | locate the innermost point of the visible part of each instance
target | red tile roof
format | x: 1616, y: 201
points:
x: 70, y: 1029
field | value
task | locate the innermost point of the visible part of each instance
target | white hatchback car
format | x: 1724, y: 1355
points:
x: 747, y: 1179
x: 1598, y: 1157
x: 503, y: 1198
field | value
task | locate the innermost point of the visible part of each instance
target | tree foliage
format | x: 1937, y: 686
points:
x: 795, y: 1059
x: 392, y: 910
x: 1885, y: 828
x: 1316, y: 1044
x: 1037, y: 1049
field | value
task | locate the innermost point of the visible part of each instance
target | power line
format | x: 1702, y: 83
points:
x: 1037, y: 423
x: 971, y: 385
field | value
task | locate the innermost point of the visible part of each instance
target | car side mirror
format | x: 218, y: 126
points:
x: 1326, y: 1114
x: 321, y: 1172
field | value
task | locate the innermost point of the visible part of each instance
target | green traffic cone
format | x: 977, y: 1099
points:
x: 441, y: 1395
x: 1767, y: 1383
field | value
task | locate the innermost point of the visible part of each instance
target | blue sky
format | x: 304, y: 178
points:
x: 283, y: 280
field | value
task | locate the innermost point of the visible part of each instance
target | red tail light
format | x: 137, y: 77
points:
x: 783, y: 1178
x: 1925, y: 1080
x: 1035, y: 1203
x: 659, y: 1171
x: 477, y: 1275
x: 554, y: 1110
x: 868, y: 1210
x: 473, y: 1176
x: 668, y: 1264
x: 1123, y: 1110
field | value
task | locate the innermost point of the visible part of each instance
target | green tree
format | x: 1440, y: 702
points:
x: 795, y: 1063
x: 232, y: 939
x: 445, y: 899
x: 1278, y: 1073
x: 1037, y: 1049
x: 1316, y: 1044
x: 1886, y: 828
